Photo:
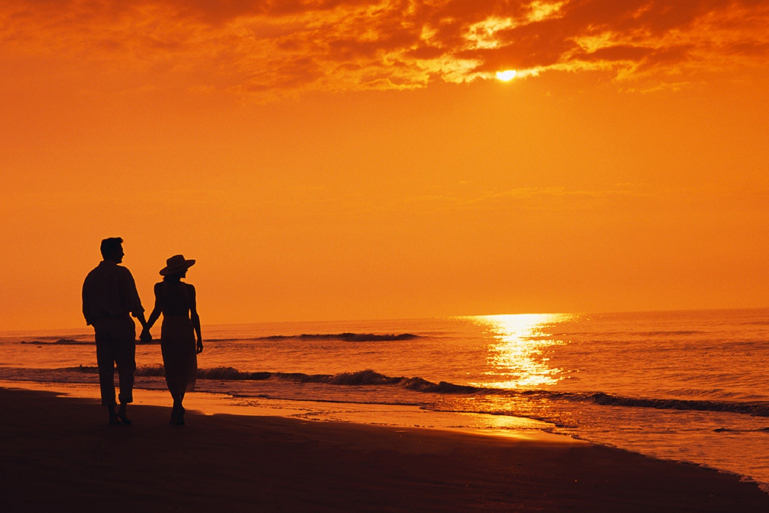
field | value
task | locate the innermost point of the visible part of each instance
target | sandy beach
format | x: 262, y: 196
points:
x: 59, y: 453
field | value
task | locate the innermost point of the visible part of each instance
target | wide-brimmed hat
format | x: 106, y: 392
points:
x: 176, y: 264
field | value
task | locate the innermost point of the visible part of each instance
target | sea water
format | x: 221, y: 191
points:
x: 686, y: 386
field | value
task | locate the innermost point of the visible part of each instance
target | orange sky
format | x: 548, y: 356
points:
x: 331, y: 159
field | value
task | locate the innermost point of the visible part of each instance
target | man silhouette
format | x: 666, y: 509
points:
x: 109, y: 296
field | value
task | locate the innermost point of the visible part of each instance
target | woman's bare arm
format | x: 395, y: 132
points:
x: 158, y: 307
x: 195, y: 318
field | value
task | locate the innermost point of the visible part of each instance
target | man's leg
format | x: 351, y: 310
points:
x: 105, y: 358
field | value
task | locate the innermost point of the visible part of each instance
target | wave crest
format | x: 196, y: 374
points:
x: 759, y: 409
x: 370, y: 377
x: 61, y: 341
x: 344, y: 337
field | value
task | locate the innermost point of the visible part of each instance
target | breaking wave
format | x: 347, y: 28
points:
x: 61, y: 341
x: 417, y: 384
x: 758, y: 408
x: 344, y: 337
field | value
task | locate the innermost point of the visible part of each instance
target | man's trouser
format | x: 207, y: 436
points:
x: 116, y: 344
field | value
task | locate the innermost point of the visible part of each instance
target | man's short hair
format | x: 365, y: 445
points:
x: 110, y: 245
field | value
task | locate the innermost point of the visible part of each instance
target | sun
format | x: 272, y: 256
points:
x: 507, y: 75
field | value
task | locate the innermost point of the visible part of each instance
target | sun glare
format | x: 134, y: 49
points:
x: 516, y: 357
x: 507, y: 75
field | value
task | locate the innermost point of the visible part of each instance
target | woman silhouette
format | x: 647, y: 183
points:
x: 176, y: 301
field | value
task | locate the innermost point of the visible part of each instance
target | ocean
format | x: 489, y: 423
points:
x: 687, y: 386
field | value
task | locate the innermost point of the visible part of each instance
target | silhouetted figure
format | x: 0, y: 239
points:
x: 176, y: 301
x: 109, y: 296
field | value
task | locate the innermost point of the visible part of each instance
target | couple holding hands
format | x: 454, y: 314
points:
x: 110, y: 298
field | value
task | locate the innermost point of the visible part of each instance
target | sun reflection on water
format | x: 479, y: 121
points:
x: 516, y: 357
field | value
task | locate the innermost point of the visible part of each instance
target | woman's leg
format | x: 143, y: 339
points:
x: 177, y: 413
x: 180, y: 418
x: 175, y: 408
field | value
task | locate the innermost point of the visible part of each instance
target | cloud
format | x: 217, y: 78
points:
x: 263, y: 46
x: 551, y: 199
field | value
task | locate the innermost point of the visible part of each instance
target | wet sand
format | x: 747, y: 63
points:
x: 58, y: 453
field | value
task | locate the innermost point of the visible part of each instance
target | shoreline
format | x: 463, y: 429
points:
x: 387, y: 415
x: 59, y: 452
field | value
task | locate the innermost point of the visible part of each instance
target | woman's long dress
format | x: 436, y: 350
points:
x: 177, y: 338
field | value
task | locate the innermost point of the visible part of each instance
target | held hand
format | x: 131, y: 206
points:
x: 199, y: 348
x: 145, y: 336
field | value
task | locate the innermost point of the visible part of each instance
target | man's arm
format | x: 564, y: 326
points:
x: 133, y: 302
x: 141, y: 318
x: 86, y: 293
